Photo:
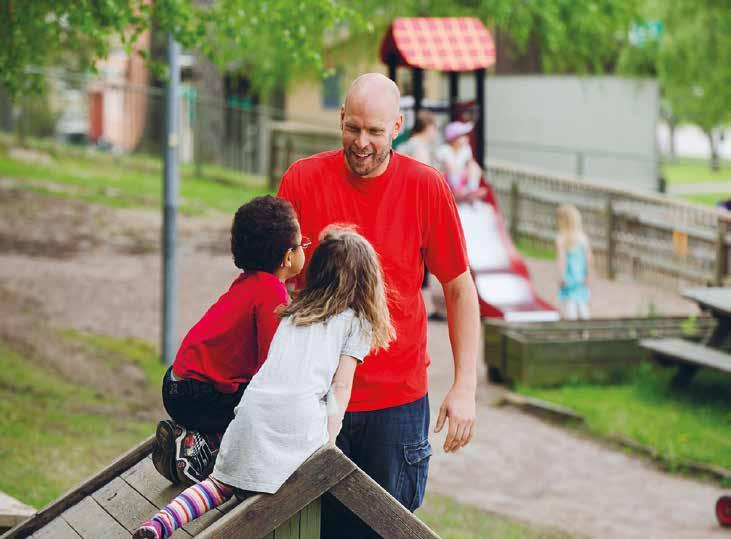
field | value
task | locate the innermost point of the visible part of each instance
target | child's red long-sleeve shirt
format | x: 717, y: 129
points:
x: 231, y: 341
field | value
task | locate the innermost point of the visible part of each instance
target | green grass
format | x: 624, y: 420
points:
x: 54, y: 433
x: 127, y: 181
x: 115, y: 351
x: 710, y: 199
x: 534, y: 250
x: 689, y: 170
x: 689, y: 424
x: 451, y: 520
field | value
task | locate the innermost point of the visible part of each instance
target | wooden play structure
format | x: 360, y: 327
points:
x: 554, y: 353
x: 115, y: 501
x: 456, y: 45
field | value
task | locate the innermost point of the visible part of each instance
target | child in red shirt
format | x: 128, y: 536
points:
x: 226, y: 347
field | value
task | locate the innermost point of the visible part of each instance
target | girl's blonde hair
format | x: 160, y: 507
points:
x: 344, y: 272
x: 568, y: 220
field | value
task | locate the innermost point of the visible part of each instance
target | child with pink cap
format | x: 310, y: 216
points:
x: 456, y: 162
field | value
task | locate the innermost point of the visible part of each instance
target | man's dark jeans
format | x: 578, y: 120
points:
x: 198, y: 405
x: 391, y: 446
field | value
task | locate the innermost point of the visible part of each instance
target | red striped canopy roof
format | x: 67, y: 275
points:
x: 444, y: 44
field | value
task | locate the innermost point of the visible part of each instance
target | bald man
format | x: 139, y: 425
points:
x: 407, y: 212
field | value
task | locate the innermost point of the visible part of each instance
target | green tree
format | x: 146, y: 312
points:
x: 271, y: 40
x: 34, y: 33
x: 578, y: 36
x: 692, y: 60
x: 694, y: 65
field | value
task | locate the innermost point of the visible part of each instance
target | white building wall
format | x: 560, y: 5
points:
x: 600, y: 128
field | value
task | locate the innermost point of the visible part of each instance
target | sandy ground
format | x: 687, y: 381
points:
x: 66, y: 265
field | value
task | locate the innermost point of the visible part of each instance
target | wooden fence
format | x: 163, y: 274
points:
x: 651, y: 237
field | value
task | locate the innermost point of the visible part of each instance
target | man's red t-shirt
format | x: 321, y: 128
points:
x: 409, y: 216
x: 229, y: 344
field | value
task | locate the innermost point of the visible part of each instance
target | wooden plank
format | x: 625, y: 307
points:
x: 13, y: 512
x: 310, y: 521
x: 289, y: 529
x: 145, y: 479
x: 56, y: 529
x: 690, y: 353
x: 127, y: 506
x: 90, y: 521
x: 262, y: 513
x: 78, y: 493
x: 377, y: 508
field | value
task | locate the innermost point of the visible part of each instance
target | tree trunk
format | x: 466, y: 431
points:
x: 715, y: 160
x: 671, y: 127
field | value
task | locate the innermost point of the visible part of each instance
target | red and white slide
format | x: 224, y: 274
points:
x: 501, y: 276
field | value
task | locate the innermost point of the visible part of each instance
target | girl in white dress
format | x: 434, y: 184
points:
x: 297, y: 400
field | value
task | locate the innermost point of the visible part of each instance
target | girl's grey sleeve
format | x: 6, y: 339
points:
x: 358, y: 340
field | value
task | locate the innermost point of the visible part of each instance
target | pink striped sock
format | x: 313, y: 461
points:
x: 189, y: 505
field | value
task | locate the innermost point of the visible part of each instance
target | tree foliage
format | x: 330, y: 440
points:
x: 276, y: 40
x: 35, y: 33
x: 692, y: 60
x: 272, y: 40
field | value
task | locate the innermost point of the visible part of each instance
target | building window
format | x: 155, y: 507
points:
x: 332, y: 89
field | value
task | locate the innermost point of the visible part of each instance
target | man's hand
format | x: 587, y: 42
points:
x: 459, y: 407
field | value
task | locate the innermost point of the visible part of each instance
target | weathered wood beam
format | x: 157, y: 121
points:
x: 377, y: 508
x: 262, y: 513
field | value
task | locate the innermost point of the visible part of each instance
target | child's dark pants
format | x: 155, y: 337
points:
x: 198, y: 405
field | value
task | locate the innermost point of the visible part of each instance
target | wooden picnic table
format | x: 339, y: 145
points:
x: 712, y: 353
x: 717, y: 301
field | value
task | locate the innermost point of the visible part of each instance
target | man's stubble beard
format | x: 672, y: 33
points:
x: 378, y: 160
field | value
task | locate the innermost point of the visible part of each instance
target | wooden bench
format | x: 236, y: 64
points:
x: 688, y: 356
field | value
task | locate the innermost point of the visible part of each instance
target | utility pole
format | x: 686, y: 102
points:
x: 170, y: 204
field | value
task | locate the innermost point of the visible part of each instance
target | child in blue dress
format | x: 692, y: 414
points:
x: 295, y: 403
x: 574, y: 263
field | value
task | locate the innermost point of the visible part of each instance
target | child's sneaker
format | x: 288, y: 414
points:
x: 167, y: 436
x: 196, y: 456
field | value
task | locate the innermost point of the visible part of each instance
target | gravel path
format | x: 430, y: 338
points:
x: 516, y: 465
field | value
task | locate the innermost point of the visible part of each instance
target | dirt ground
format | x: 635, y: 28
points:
x: 67, y: 265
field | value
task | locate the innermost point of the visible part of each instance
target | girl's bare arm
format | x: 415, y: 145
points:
x: 339, y: 395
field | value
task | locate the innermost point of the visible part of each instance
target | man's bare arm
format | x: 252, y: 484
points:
x: 463, y: 318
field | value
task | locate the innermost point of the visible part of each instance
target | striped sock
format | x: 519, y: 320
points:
x: 189, y: 505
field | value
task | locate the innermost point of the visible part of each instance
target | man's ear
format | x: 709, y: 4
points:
x: 397, y: 127
x: 342, y: 116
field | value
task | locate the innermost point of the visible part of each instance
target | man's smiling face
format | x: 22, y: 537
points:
x: 369, y: 121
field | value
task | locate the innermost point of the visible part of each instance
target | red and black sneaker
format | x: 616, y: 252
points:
x: 195, y: 456
x: 167, y: 438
